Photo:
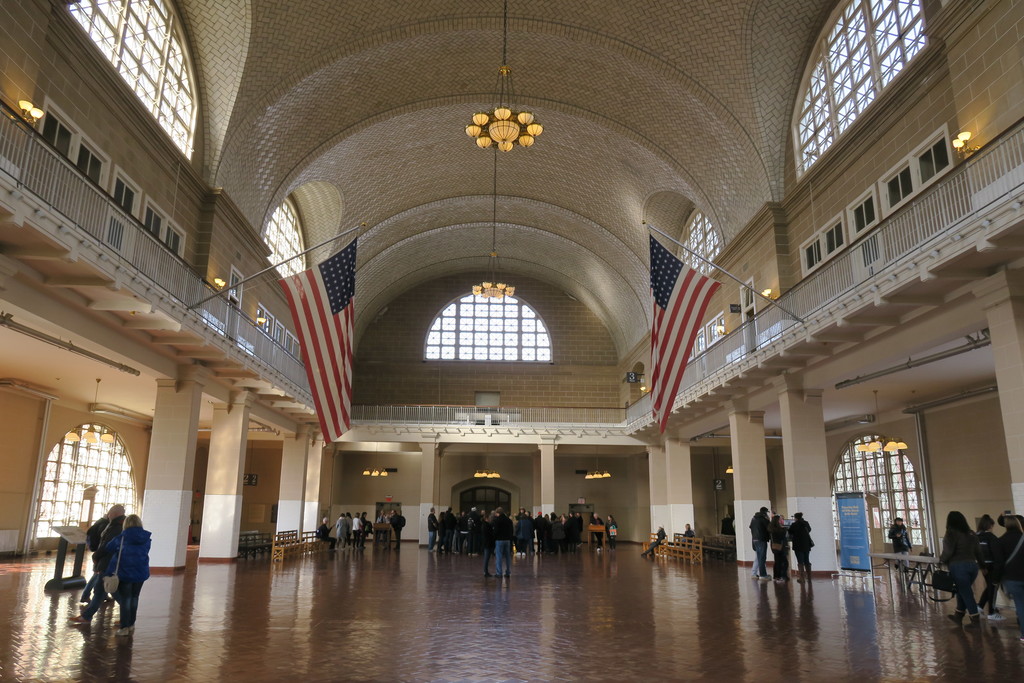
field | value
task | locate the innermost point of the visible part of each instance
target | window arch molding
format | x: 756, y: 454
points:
x: 88, y: 455
x: 144, y: 42
x: 890, y: 477
x: 283, y: 234
x: 474, y: 328
x: 865, y: 44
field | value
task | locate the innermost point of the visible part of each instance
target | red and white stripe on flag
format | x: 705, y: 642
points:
x: 322, y: 304
x: 681, y: 297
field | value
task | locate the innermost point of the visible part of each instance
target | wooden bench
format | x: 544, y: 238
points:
x: 253, y: 543
x: 721, y: 547
x: 686, y: 548
x: 285, y: 543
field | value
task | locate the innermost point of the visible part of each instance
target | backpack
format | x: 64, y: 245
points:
x: 400, y: 522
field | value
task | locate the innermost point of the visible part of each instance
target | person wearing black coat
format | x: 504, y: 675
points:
x: 100, y: 560
x: 451, y: 524
x: 759, y: 537
x: 800, y: 534
x: 1012, y: 546
x: 503, y: 533
x: 431, y: 530
x: 487, y: 540
x: 780, y: 550
x: 992, y: 566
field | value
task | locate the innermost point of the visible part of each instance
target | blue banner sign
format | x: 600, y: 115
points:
x: 854, y: 547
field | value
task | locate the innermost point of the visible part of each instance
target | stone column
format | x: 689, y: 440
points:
x: 808, y: 480
x: 679, y: 489
x: 547, y: 477
x: 429, y: 469
x: 293, y: 480
x: 750, y: 474
x: 167, y: 504
x: 658, y: 477
x: 314, y: 459
x: 1002, y: 295
x: 222, y: 508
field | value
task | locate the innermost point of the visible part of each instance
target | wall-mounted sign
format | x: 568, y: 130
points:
x: 735, y: 308
x: 719, y: 484
x: 250, y: 479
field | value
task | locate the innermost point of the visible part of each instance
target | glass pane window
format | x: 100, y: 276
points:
x: 96, y: 459
x: 283, y: 235
x: 489, y: 330
x: 855, y: 59
x: 704, y: 239
x: 143, y: 41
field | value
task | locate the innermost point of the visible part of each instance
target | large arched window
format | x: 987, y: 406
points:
x: 866, y: 44
x: 887, y: 476
x: 704, y: 239
x: 475, y: 328
x: 284, y: 237
x: 89, y: 456
x: 142, y: 39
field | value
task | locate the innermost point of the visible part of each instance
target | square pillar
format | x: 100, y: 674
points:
x: 314, y: 461
x: 1002, y: 295
x: 167, y: 503
x: 808, y: 480
x: 679, y: 488
x: 658, y: 478
x: 293, y: 481
x: 547, y: 477
x: 222, y: 508
x: 750, y: 474
x: 429, y: 470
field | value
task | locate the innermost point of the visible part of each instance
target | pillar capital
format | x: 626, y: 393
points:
x: 1000, y: 288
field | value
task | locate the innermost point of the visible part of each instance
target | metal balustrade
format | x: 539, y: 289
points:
x: 38, y: 169
x: 987, y: 177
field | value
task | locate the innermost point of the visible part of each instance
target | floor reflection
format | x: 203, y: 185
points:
x: 376, y: 615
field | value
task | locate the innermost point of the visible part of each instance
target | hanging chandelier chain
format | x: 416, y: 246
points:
x: 504, y: 31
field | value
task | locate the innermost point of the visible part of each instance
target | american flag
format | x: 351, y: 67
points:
x: 681, y: 297
x: 321, y: 300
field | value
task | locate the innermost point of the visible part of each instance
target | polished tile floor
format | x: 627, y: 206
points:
x: 414, y: 616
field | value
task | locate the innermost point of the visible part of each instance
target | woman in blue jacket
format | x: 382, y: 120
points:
x: 130, y: 561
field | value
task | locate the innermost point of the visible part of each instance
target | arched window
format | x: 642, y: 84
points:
x: 886, y: 475
x: 475, y: 328
x: 484, y: 498
x: 142, y: 39
x: 865, y: 45
x: 88, y: 456
x: 703, y: 238
x: 284, y: 237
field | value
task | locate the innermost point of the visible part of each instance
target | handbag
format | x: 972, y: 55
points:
x: 776, y: 547
x: 942, y: 580
x: 110, y: 583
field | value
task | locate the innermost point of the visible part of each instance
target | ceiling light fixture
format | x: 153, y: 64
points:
x: 504, y: 126
x: 486, y: 474
x: 493, y: 289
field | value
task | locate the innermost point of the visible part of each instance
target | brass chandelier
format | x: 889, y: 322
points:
x: 504, y: 125
x: 492, y: 289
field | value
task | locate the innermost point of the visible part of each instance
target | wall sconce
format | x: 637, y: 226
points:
x: 960, y: 144
x: 261, y: 321
x: 720, y: 329
x: 728, y: 470
x: 219, y: 282
x: 31, y: 112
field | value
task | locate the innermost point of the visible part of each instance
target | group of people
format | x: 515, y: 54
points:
x: 771, y: 530
x: 465, y: 533
x: 1000, y: 559
x: 352, y: 532
x: 120, y: 547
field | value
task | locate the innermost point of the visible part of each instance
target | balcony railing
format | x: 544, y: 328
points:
x: 40, y: 170
x: 454, y: 415
x: 987, y: 177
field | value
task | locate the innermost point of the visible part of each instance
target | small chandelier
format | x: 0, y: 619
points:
x: 504, y: 126
x: 492, y: 289
x: 486, y: 474
x: 598, y: 474
x: 375, y: 472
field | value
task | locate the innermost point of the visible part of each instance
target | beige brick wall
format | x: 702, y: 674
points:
x: 390, y: 366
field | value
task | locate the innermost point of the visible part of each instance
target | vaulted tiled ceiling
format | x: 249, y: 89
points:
x: 638, y: 100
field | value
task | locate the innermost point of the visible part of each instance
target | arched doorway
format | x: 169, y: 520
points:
x: 485, y: 498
